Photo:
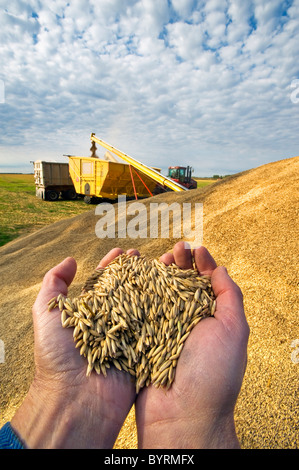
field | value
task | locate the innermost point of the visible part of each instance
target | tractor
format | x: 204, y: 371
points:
x: 182, y: 175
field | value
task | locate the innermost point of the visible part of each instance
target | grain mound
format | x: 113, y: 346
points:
x: 251, y: 227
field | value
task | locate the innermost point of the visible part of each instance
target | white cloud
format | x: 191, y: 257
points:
x: 268, y: 14
x: 215, y: 5
x: 206, y: 83
x: 239, y: 14
x: 183, y: 7
x: 215, y: 22
x: 187, y: 39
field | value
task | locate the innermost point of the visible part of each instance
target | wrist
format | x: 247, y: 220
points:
x: 48, y: 419
x: 220, y: 434
x: 190, y: 434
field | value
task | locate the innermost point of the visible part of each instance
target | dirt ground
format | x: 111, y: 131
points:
x: 250, y: 226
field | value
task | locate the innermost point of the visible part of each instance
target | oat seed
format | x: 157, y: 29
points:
x: 136, y: 315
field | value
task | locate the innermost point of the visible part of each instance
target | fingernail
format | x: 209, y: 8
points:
x: 187, y: 246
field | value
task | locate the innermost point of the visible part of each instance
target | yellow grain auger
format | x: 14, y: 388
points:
x: 97, y: 178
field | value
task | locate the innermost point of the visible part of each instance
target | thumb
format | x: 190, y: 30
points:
x: 55, y: 282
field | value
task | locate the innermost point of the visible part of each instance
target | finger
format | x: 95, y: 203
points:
x: 133, y: 252
x: 55, y: 282
x: 204, y: 262
x: 182, y: 255
x: 110, y: 257
x: 167, y: 259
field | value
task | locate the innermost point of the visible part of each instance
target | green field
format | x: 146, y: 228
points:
x: 21, y: 212
x: 202, y: 182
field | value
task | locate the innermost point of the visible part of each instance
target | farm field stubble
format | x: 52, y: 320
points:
x: 21, y: 212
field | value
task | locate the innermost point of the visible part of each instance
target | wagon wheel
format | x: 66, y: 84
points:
x: 70, y: 194
x: 52, y: 195
x: 87, y: 199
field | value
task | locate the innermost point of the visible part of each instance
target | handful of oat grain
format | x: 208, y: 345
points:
x: 136, y: 314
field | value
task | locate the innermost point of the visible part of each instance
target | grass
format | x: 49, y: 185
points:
x: 21, y: 212
x: 202, y: 182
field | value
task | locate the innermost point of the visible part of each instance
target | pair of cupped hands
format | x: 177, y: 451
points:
x: 66, y: 409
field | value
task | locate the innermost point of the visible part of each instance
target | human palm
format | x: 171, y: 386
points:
x: 60, y: 368
x: 209, y: 372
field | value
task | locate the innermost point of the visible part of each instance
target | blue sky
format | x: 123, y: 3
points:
x: 213, y: 84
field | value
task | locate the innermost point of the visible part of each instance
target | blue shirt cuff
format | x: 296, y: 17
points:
x: 9, y: 439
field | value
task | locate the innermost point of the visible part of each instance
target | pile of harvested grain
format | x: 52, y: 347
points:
x: 251, y: 227
x: 136, y: 315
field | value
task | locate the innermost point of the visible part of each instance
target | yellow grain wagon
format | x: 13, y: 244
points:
x: 97, y: 178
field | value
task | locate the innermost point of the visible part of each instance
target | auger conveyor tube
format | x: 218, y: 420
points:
x: 155, y: 175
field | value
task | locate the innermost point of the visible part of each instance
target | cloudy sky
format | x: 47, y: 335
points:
x: 213, y: 84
